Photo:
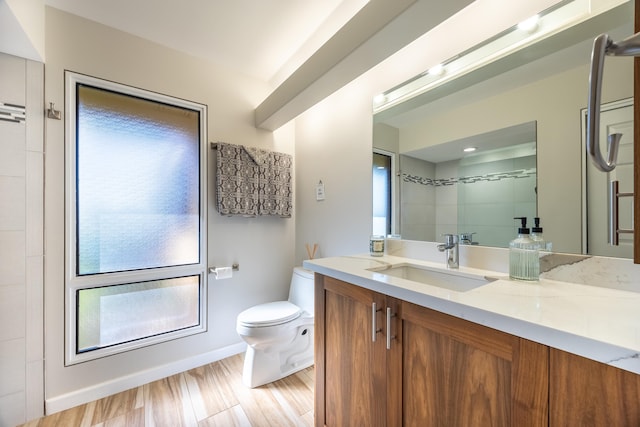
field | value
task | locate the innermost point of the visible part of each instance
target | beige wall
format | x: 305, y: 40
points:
x: 262, y: 246
x: 333, y: 146
x: 22, y: 28
x: 334, y: 138
x: 386, y: 137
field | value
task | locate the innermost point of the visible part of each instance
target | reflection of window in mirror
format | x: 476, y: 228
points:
x: 383, y: 165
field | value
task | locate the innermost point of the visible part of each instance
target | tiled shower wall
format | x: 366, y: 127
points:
x: 21, y: 240
x: 418, y: 202
x: 479, y: 197
x: 506, y: 189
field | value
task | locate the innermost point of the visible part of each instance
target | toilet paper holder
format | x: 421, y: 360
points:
x: 234, y: 267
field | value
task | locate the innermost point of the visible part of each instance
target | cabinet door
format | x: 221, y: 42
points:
x: 584, y: 393
x: 457, y: 373
x: 351, y: 383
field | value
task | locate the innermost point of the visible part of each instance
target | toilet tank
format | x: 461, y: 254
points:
x: 301, y: 289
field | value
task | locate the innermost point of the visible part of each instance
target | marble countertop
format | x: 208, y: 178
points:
x: 599, y: 323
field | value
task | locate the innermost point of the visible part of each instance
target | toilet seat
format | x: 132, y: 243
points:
x: 269, y: 314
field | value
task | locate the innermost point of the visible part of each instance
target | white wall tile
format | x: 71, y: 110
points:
x: 12, y: 154
x: 496, y: 236
x: 525, y: 189
x: 527, y: 209
x: 12, y: 367
x: 34, y: 315
x: 442, y: 229
x: 12, y: 203
x: 35, y: 204
x: 12, y: 260
x: 12, y: 309
x: 499, y: 213
x: 447, y: 194
x: 35, y: 109
x: 489, y: 191
x: 21, y: 234
x: 415, y: 193
x: 35, y: 389
x: 447, y: 214
x: 12, y: 410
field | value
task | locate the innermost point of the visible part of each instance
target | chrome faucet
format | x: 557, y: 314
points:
x: 467, y: 239
x: 450, y: 245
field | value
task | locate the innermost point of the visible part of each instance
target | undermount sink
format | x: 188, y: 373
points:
x: 448, y: 279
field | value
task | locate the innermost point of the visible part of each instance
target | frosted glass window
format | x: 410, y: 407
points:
x: 381, y: 194
x: 111, y: 315
x: 138, y: 176
x: 135, y: 220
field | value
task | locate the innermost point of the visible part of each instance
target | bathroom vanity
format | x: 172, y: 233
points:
x: 394, y: 350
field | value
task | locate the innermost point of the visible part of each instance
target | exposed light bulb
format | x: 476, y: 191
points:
x: 380, y: 98
x: 529, y: 25
x: 437, y: 70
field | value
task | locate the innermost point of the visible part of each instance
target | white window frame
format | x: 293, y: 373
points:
x: 73, y: 282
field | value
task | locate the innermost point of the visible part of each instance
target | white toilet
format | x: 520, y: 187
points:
x: 279, y: 334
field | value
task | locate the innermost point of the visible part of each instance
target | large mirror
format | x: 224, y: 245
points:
x: 524, y: 115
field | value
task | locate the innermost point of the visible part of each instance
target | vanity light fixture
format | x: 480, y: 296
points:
x: 548, y: 22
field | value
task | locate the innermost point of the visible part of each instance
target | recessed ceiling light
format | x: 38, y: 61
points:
x: 469, y: 149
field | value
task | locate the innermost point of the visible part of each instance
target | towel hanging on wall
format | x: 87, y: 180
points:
x: 252, y: 181
x: 237, y: 179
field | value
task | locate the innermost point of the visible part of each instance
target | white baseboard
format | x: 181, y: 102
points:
x: 117, y: 385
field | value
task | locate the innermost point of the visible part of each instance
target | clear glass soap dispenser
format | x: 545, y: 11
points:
x: 524, y: 260
x: 536, y: 234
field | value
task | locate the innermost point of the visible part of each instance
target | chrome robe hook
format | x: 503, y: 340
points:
x: 602, y: 45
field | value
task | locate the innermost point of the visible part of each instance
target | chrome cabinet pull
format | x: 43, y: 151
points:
x: 389, y: 336
x: 374, y: 326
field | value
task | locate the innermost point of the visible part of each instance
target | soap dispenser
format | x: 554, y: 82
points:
x: 524, y: 261
x: 536, y: 234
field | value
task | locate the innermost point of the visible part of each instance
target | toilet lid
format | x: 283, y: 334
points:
x: 269, y: 314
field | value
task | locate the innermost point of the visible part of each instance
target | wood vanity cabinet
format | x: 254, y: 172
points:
x: 458, y: 373
x: 438, y: 371
x: 586, y: 393
x: 353, y: 385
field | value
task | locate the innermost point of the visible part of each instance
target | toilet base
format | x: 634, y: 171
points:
x: 265, y: 366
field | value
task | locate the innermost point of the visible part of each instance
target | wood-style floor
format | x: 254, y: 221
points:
x: 211, y: 395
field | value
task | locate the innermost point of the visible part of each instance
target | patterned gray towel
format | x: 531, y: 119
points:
x: 252, y: 181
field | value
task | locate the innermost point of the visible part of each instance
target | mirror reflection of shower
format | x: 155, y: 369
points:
x: 479, y: 192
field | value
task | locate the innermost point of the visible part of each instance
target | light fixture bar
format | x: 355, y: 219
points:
x: 548, y: 22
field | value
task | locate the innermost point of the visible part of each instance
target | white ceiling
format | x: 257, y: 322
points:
x: 267, y: 39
